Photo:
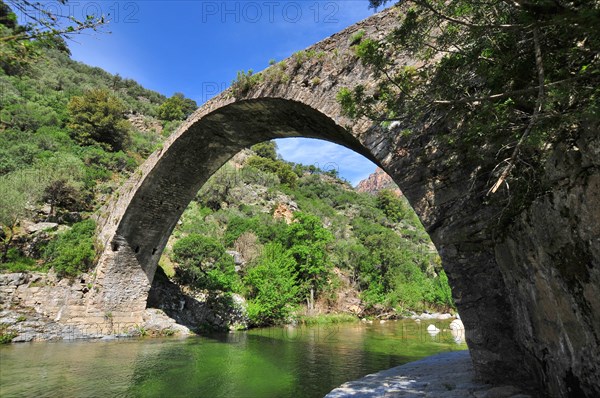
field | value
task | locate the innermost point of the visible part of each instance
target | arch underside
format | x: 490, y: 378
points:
x: 198, y: 153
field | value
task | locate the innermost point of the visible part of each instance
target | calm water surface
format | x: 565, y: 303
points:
x: 274, y: 362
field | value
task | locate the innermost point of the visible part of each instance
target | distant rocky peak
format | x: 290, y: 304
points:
x: 378, y: 181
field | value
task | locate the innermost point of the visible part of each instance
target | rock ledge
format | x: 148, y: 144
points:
x: 444, y: 375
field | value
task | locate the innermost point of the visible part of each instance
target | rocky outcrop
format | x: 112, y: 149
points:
x: 283, y: 212
x: 145, y: 124
x: 378, y: 181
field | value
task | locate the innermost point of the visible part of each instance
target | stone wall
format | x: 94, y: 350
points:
x: 550, y: 261
x: 41, y: 307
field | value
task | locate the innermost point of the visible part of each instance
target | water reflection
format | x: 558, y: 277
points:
x: 275, y: 362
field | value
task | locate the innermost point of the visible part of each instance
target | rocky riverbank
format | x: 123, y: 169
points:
x: 41, y: 307
x: 447, y: 375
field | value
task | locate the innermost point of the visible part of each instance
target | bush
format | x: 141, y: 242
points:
x: 203, y: 264
x: 99, y: 117
x: 273, y: 287
x: 244, y: 82
x: 281, y: 169
x: 267, y: 149
x: 17, y: 263
x: 72, y: 252
x: 176, y: 108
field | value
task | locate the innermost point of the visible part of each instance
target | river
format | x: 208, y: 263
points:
x: 274, y: 362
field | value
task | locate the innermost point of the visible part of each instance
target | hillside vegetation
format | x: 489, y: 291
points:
x: 69, y: 135
x: 311, y: 241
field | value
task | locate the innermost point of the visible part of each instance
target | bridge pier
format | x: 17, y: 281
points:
x: 120, y: 288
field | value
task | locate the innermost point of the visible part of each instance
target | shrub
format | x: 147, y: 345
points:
x: 99, y: 117
x: 244, y: 82
x: 281, y: 169
x: 273, y: 287
x: 203, y: 264
x: 72, y: 252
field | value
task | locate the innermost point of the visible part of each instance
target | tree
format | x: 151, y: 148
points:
x: 62, y: 181
x: 176, y: 108
x: 204, y: 264
x: 43, y: 27
x: 98, y: 117
x: 307, y: 241
x: 18, y: 190
x: 281, y: 169
x: 216, y: 190
x: 393, y: 207
x: 266, y: 149
x: 273, y: 286
x: 507, y: 76
x: 60, y: 193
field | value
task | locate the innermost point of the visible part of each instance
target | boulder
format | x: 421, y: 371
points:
x: 457, y: 325
x: 41, y: 226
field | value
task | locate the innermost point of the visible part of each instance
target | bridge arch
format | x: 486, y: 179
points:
x: 528, y: 316
x: 188, y: 161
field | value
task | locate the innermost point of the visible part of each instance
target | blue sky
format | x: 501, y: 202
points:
x: 197, y: 48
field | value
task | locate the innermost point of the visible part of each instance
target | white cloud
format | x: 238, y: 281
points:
x: 326, y: 155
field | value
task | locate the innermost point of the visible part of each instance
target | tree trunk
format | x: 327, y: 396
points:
x: 6, y: 243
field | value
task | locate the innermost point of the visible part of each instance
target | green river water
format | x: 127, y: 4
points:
x: 275, y: 362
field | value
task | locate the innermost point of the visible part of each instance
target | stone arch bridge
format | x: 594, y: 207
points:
x: 530, y: 300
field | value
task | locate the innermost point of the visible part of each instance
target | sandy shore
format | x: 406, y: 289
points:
x: 444, y: 375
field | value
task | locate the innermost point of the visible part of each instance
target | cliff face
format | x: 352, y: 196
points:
x: 376, y: 182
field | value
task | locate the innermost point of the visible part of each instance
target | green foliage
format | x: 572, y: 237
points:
x: 15, y: 262
x: 326, y: 319
x: 307, y: 241
x: 203, y: 264
x: 20, y: 45
x: 393, y: 207
x: 216, y: 190
x: 281, y: 169
x: 357, y: 37
x: 267, y: 149
x: 99, y: 117
x: 18, y: 190
x: 6, y: 336
x: 272, y: 285
x: 349, y: 100
x: 276, y: 73
x: 264, y: 226
x: 176, y: 108
x: 244, y: 82
x: 72, y: 252
x: 478, y: 82
x: 380, y: 245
